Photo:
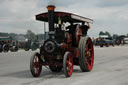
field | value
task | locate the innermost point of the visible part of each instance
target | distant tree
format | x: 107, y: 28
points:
x: 107, y: 33
x: 104, y: 33
x: 31, y: 35
x: 101, y: 33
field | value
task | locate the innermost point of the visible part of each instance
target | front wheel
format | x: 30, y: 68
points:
x: 68, y: 64
x: 35, y: 65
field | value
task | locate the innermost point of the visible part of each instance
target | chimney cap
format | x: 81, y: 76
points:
x: 51, y: 7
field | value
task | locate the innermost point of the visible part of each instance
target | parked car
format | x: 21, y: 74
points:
x: 101, y: 41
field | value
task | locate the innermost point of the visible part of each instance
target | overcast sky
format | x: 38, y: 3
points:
x: 18, y: 16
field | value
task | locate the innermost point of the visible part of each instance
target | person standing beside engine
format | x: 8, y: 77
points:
x: 85, y: 28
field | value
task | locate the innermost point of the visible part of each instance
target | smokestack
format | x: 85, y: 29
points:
x: 51, y: 17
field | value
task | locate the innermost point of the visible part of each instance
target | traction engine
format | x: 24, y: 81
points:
x: 66, y: 46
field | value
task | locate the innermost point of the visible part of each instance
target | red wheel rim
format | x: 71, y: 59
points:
x: 69, y: 64
x: 89, y: 51
x: 36, y: 65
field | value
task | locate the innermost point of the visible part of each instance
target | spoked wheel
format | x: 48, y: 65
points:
x: 86, y: 58
x: 55, y: 68
x: 14, y: 49
x: 68, y: 64
x: 5, y: 48
x: 35, y: 66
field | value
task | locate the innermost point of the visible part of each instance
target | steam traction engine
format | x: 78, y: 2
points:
x: 66, y: 45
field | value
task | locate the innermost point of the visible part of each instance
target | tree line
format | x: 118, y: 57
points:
x: 108, y: 34
x: 29, y: 35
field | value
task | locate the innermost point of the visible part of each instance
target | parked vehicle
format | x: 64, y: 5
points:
x: 13, y: 46
x: 7, y: 44
x: 33, y: 45
x: 104, y: 41
x: 4, y: 44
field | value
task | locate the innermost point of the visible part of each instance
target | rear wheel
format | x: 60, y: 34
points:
x: 55, y: 68
x: 68, y: 64
x: 5, y: 48
x: 35, y: 66
x: 14, y: 49
x: 86, y: 58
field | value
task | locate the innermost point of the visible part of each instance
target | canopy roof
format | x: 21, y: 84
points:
x: 64, y: 16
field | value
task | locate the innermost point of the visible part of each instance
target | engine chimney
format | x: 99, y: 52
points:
x: 51, y: 17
